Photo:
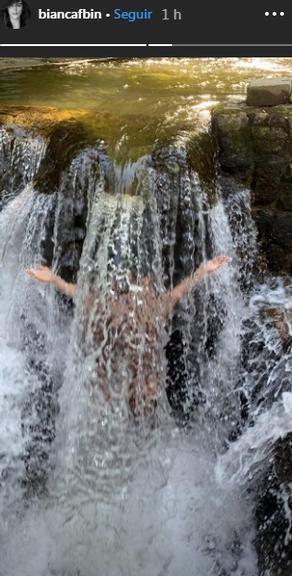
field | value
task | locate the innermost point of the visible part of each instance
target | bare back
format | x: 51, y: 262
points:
x: 129, y: 339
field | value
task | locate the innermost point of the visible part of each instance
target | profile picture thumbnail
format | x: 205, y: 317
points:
x: 15, y: 14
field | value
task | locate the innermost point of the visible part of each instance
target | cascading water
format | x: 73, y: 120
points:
x: 20, y: 157
x: 33, y: 328
x: 87, y: 488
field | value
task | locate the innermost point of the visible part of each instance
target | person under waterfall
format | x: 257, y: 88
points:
x: 136, y: 330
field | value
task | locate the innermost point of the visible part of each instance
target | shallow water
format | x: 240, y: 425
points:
x: 148, y: 86
x: 136, y: 103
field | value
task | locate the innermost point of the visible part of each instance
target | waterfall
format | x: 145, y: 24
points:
x: 266, y: 381
x: 121, y: 248
x: 91, y: 484
x: 34, y: 331
x: 23, y: 318
x: 20, y: 157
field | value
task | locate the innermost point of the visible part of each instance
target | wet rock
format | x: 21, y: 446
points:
x: 268, y: 180
x: 38, y: 424
x: 171, y: 159
x: 268, y: 365
x: 78, y: 183
x: 276, y: 225
x: 202, y: 157
x: 39, y: 410
x: 285, y: 195
x: 167, y: 190
x: 255, y: 146
x: 232, y: 129
x: 66, y: 140
x: 177, y: 377
x: 275, y: 229
x: 38, y: 119
x: 267, y: 374
x: 270, y: 137
x: 269, y: 91
x: 273, y: 513
x: 281, y: 319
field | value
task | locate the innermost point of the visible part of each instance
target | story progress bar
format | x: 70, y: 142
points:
x: 137, y: 45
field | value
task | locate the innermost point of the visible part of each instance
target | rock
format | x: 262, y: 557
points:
x: 281, y: 318
x: 269, y: 137
x: 266, y: 183
x: 38, y: 119
x: 277, y: 226
x: 285, y: 198
x: 269, y: 92
x: 232, y: 129
x: 66, y: 140
x: 255, y: 148
x: 275, y: 229
x: 273, y: 511
x: 172, y: 159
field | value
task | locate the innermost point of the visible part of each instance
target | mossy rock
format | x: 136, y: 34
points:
x: 245, y: 135
x: 270, y: 180
x: 66, y: 140
x: 255, y: 146
x: 231, y: 127
x: 275, y: 229
x: 202, y: 157
x: 270, y: 133
x: 39, y: 120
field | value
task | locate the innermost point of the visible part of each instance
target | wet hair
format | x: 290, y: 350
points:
x: 25, y: 15
x: 121, y: 284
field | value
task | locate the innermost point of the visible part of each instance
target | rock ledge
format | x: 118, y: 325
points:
x: 269, y: 92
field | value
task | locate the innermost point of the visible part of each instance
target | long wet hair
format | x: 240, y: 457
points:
x: 25, y: 15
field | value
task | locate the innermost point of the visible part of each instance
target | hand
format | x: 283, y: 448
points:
x: 41, y: 273
x: 216, y: 263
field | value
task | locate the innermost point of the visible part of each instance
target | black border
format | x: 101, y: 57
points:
x: 219, y: 51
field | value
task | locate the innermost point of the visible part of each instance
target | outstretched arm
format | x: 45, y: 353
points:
x: 44, y: 274
x: 171, y: 298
